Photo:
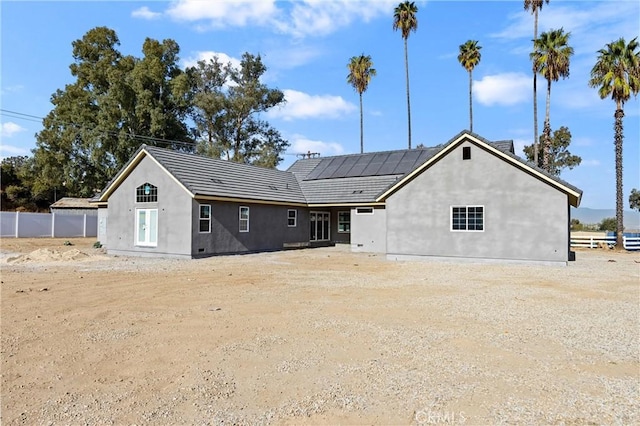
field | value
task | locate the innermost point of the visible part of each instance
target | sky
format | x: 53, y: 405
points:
x: 306, y: 46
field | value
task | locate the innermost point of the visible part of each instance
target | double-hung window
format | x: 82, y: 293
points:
x: 467, y: 218
x: 244, y: 219
x: 205, y: 218
x: 292, y: 218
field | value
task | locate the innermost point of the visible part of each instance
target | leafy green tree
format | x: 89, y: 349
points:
x: 617, y: 73
x: 535, y: 6
x: 405, y: 20
x: 551, y: 57
x: 469, y: 57
x: 634, y: 199
x: 608, y: 224
x: 360, y: 72
x: 227, y: 105
x: 559, y: 155
x: 116, y: 103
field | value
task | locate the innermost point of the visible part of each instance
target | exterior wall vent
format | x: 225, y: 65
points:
x: 466, y: 153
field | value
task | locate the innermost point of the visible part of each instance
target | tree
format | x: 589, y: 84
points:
x: 634, y: 199
x: 405, y: 20
x: 559, y: 156
x: 551, y: 58
x: 608, y: 224
x: 360, y: 72
x: 469, y: 57
x: 617, y: 73
x: 116, y: 103
x: 228, y: 102
x: 535, y: 6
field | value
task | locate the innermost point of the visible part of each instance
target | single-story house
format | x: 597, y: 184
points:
x: 467, y: 199
x: 74, y: 206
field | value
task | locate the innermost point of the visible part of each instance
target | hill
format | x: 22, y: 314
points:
x: 592, y: 216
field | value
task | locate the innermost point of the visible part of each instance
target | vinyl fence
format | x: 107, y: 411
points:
x: 628, y: 242
x: 17, y: 225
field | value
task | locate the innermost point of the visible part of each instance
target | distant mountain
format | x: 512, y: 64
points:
x: 591, y: 216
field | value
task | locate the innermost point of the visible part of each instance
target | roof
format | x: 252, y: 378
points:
x: 338, y: 181
x: 73, y: 203
x: 205, y: 177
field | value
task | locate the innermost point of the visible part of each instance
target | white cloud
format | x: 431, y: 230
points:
x: 302, y: 145
x: 9, y: 129
x: 220, y: 14
x: 503, y: 89
x: 145, y: 13
x: 303, y: 105
x: 206, y: 55
x: 300, y: 18
x: 10, y: 151
x: 590, y: 163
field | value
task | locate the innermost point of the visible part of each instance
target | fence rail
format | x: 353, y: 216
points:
x: 17, y: 225
x: 629, y: 243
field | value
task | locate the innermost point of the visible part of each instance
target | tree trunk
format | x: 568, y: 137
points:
x: 619, y: 114
x: 470, y: 103
x: 406, y: 67
x: 546, y: 132
x: 535, y: 97
x: 361, y: 127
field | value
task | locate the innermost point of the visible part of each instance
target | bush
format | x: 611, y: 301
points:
x: 97, y: 245
x: 607, y: 224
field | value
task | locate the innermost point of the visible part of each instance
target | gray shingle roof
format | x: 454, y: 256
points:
x: 346, y: 190
x: 207, y: 176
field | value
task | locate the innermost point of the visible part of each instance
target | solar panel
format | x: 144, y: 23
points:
x: 391, y: 163
x: 348, y: 163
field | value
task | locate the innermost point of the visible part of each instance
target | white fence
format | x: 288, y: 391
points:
x: 16, y: 225
x: 588, y: 241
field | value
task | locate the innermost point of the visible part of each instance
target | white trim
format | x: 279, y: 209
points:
x: 241, y: 220
x: 365, y: 212
x: 147, y: 234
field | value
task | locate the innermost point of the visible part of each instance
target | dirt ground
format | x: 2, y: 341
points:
x: 315, y: 336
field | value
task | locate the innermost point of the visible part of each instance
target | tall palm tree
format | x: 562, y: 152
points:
x: 405, y: 20
x: 469, y: 57
x: 551, y: 60
x: 360, y: 72
x: 535, y: 6
x: 617, y: 73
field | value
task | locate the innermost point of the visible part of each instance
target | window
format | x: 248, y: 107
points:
x: 147, y: 227
x: 146, y: 193
x: 244, y: 219
x: 344, y: 222
x: 364, y: 210
x: 205, y: 218
x: 467, y: 218
x: 292, y: 217
x: 466, y: 153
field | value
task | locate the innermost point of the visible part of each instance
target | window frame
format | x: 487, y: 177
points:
x: 466, y: 218
x: 342, y: 222
x: 148, y: 240
x: 294, y: 218
x: 202, y: 219
x: 242, y: 220
x: 141, y: 197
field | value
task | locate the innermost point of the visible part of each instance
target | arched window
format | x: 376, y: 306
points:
x: 146, y: 193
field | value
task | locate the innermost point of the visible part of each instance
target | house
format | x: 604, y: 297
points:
x: 468, y: 199
x: 74, y: 206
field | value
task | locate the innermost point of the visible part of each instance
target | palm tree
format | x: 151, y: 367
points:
x: 360, y: 72
x: 469, y: 57
x: 551, y: 60
x: 535, y: 6
x: 617, y: 73
x: 405, y: 20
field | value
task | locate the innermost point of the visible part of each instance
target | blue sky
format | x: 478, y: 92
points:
x: 306, y: 46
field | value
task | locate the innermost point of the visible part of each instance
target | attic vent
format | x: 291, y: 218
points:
x: 357, y: 191
x: 466, y: 153
x: 216, y: 181
x: 275, y: 188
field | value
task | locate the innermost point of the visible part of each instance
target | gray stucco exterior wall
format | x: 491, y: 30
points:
x: 268, y: 228
x: 525, y: 219
x: 174, y: 207
x: 368, y: 231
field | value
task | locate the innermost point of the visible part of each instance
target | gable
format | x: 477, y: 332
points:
x: 573, y: 193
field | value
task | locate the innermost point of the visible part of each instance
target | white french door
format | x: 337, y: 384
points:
x: 320, y: 226
x: 147, y: 227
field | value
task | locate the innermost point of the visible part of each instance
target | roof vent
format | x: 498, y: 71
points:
x: 216, y: 181
x: 357, y: 191
x: 275, y: 188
